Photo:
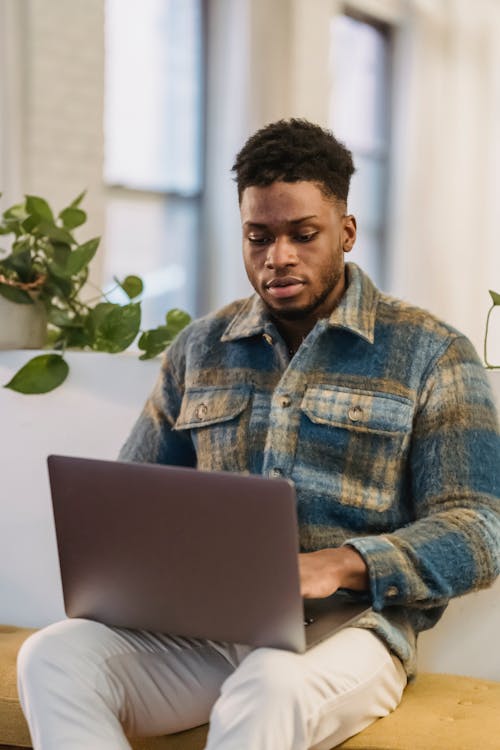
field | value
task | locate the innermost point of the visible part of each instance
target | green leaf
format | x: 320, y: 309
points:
x: 69, y: 263
x: 61, y: 254
x: 21, y: 246
x: 98, y: 314
x: 58, y: 270
x: 55, y: 233
x: 495, y: 297
x: 114, y: 326
x: 16, y: 213
x: 77, y: 338
x: 81, y: 257
x: 40, y: 207
x: 61, y: 318
x: 131, y: 285
x: 154, y: 341
x: 40, y: 375
x: 73, y: 217
x: 20, y: 261
x: 177, y: 320
x: 31, y: 223
x: 56, y: 286
x: 78, y: 200
x: 13, y: 294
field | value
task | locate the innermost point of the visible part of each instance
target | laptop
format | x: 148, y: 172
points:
x: 187, y: 552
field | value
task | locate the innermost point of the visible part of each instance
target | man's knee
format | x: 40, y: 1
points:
x: 270, y: 672
x: 56, y: 646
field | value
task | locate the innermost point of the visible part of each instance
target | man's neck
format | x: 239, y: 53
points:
x: 294, y: 332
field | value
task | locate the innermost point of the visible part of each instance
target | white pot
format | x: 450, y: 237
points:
x: 494, y: 378
x: 22, y: 326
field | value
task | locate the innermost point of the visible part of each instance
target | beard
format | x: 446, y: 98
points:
x: 301, y: 313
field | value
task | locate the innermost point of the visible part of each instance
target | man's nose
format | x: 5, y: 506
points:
x: 281, y: 253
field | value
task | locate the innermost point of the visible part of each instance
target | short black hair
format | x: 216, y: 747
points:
x: 291, y: 151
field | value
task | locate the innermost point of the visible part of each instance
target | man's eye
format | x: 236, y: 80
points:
x: 306, y: 237
x: 256, y: 240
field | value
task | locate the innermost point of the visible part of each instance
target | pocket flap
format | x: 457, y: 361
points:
x: 359, y: 410
x: 206, y: 406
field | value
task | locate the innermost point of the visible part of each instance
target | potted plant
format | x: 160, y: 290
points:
x: 495, y: 299
x: 42, y: 275
x: 493, y: 370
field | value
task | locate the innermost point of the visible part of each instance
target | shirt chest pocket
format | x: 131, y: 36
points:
x: 217, y: 419
x: 362, y: 438
x: 361, y: 411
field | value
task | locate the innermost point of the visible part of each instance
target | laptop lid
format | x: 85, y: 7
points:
x: 177, y: 550
x: 191, y: 553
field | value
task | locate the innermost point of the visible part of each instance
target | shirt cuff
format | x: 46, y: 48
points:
x: 389, y: 586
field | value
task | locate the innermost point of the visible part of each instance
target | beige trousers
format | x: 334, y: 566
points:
x: 84, y: 685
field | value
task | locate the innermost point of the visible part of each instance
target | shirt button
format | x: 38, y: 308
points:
x: 355, y: 413
x: 267, y: 338
x: 285, y: 401
x: 392, y: 591
x: 201, y: 411
x: 276, y: 472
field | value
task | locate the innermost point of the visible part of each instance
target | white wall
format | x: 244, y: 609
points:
x: 90, y: 415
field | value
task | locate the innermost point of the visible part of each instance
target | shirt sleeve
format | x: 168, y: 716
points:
x: 453, y: 545
x: 153, y: 438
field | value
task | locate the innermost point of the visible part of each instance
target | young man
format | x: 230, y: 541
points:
x: 382, y: 418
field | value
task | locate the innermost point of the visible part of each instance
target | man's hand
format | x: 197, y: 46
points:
x: 325, y: 571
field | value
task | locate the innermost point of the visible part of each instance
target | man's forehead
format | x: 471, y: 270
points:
x: 300, y: 220
x: 292, y: 203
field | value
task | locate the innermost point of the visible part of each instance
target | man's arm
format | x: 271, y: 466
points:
x: 153, y: 439
x: 453, y: 545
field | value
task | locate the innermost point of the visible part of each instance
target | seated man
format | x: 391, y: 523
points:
x: 380, y: 415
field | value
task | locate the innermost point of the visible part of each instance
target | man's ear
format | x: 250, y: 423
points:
x: 349, y: 232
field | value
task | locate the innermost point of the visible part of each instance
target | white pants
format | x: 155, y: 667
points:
x: 84, y: 685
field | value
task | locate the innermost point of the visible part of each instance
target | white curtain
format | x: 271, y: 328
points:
x: 247, y: 87
x: 445, y: 234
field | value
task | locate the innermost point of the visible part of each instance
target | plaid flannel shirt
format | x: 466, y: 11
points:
x: 383, y: 420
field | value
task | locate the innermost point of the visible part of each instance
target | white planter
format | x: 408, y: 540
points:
x: 494, y: 378
x: 22, y: 326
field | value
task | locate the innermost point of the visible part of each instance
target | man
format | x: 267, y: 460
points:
x: 382, y: 418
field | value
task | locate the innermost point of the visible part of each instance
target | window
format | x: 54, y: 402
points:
x: 359, y: 117
x: 152, y: 166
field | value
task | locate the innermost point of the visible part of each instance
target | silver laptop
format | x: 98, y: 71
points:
x: 191, y: 553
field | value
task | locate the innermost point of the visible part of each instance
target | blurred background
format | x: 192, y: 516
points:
x: 145, y: 103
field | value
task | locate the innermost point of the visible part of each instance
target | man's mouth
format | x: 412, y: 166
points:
x: 285, y: 286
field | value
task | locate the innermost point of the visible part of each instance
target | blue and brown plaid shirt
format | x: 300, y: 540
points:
x: 383, y: 420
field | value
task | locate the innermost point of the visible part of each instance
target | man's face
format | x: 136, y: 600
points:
x: 294, y: 239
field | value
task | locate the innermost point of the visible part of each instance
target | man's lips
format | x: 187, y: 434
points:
x: 285, y: 286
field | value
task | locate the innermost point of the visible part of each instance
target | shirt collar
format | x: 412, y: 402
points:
x: 355, y: 312
x: 357, y: 309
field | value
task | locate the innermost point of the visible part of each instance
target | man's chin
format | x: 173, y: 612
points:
x: 292, y: 312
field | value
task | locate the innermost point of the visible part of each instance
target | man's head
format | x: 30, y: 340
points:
x: 293, y: 151
x: 293, y: 181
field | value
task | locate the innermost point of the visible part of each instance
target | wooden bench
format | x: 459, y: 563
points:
x: 438, y: 712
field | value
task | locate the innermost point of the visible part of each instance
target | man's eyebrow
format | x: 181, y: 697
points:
x: 257, y: 225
